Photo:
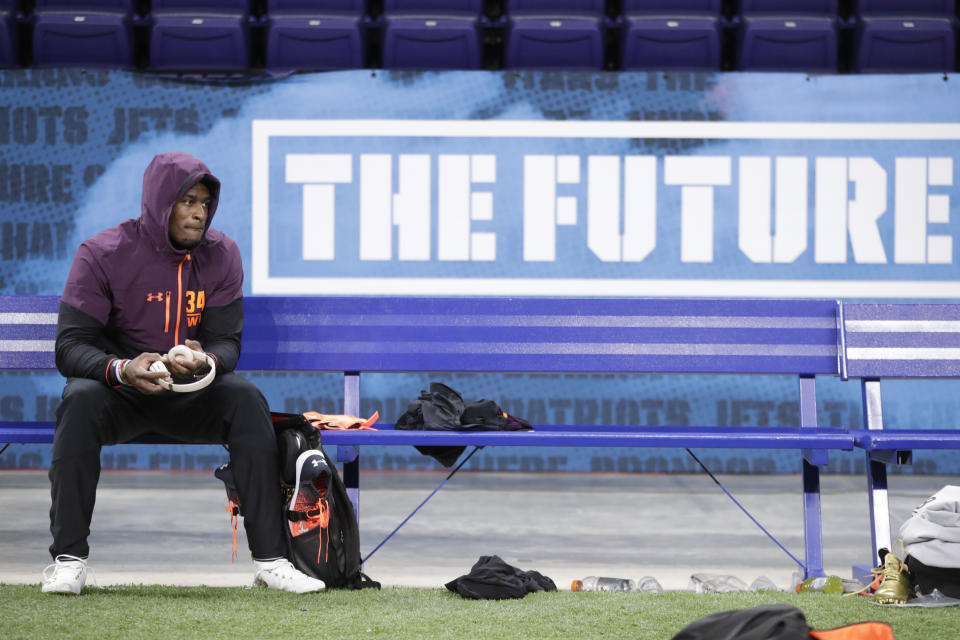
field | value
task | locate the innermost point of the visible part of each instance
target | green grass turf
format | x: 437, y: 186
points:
x: 132, y: 612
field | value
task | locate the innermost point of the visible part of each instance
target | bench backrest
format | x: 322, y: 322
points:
x: 497, y: 334
x: 541, y: 335
x: 901, y: 340
x: 560, y: 335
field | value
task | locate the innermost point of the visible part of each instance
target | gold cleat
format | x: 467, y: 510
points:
x: 896, y: 587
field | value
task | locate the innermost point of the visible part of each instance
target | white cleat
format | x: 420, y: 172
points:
x: 67, y: 574
x: 281, y: 574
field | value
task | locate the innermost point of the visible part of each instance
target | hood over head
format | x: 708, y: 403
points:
x: 166, y: 179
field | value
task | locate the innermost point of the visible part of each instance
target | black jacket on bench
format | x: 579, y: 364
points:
x: 443, y: 409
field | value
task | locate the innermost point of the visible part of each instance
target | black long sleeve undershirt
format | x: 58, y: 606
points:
x: 84, y: 347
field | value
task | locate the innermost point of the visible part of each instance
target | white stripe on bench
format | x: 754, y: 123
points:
x: 28, y: 318
x: 27, y: 345
x: 903, y: 353
x: 426, y: 319
x: 581, y: 348
x: 904, y: 326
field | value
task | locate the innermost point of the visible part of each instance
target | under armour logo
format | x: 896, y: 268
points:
x: 315, y: 462
x: 157, y: 297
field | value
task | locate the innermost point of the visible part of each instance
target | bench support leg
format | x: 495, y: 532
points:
x: 876, y: 472
x: 812, y: 525
x: 349, y: 454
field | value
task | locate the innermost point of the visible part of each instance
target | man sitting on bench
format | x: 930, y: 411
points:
x: 135, y: 291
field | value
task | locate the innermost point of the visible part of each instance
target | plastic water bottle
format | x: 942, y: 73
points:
x: 763, y: 583
x: 649, y: 584
x: 825, y: 584
x: 595, y: 583
x: 715, y: 583
x: 795, y: 580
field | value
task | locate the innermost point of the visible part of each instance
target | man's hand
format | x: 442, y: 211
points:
x: 184, y: 367
x: 137, y: 374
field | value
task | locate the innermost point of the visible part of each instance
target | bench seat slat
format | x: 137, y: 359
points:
x: 599, y: 334
x: 33, y: 332
x: 453, y: 316
x: 23, y: 432
x: 28, y: 304
x: 902, y: 440
x: 890, y: 313
x: 547, y: 363
x: 906, y: 340
x: 546, y: 436
x: 769, y: 439
x: 27, y: 360
x: 903, y: 368
x: 530, y: 309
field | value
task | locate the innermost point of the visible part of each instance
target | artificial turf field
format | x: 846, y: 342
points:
x: 131, y: 612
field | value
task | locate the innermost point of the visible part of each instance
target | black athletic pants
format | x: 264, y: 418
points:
x: 231, y: 411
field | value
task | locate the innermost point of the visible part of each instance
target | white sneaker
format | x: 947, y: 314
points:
x: 67, y: 574
x: 281, y: 574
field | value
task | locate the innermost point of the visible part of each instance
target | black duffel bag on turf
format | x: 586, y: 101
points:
x: 775, y: 622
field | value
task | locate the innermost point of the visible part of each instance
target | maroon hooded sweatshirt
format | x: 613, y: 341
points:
x: 130, y: 290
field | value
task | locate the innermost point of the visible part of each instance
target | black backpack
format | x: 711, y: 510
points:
x: 323, y: 537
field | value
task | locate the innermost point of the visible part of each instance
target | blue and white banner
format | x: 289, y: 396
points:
x: 476, y: 183
x: 522, y: 207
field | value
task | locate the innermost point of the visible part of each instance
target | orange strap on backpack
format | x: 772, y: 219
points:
x: 233, y: 510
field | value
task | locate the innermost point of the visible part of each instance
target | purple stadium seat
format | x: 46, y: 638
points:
x: 315, y: 34
x: 906, y: 7
x: 790, y: 7
x: 555, y: 7
x: 801, y: 43
x: 904, y: 44
x: 199, y: 42
x: 687, y: 43
x: 440, y: 42
x: 672, y: 7
x: 8, y: 38
x: 82, y: 39
x: 314, y: 42
x: 433, y: 7
x: 542, y: 42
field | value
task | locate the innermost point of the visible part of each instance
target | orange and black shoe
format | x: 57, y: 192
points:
x: 307, y: 504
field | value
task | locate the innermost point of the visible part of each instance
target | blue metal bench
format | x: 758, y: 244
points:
x: 895, y: 341
x: 803, y: 339
x: 532, y: 335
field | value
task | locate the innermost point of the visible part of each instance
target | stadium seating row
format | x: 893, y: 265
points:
x: 282, y: 35
x: 494, y: 7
